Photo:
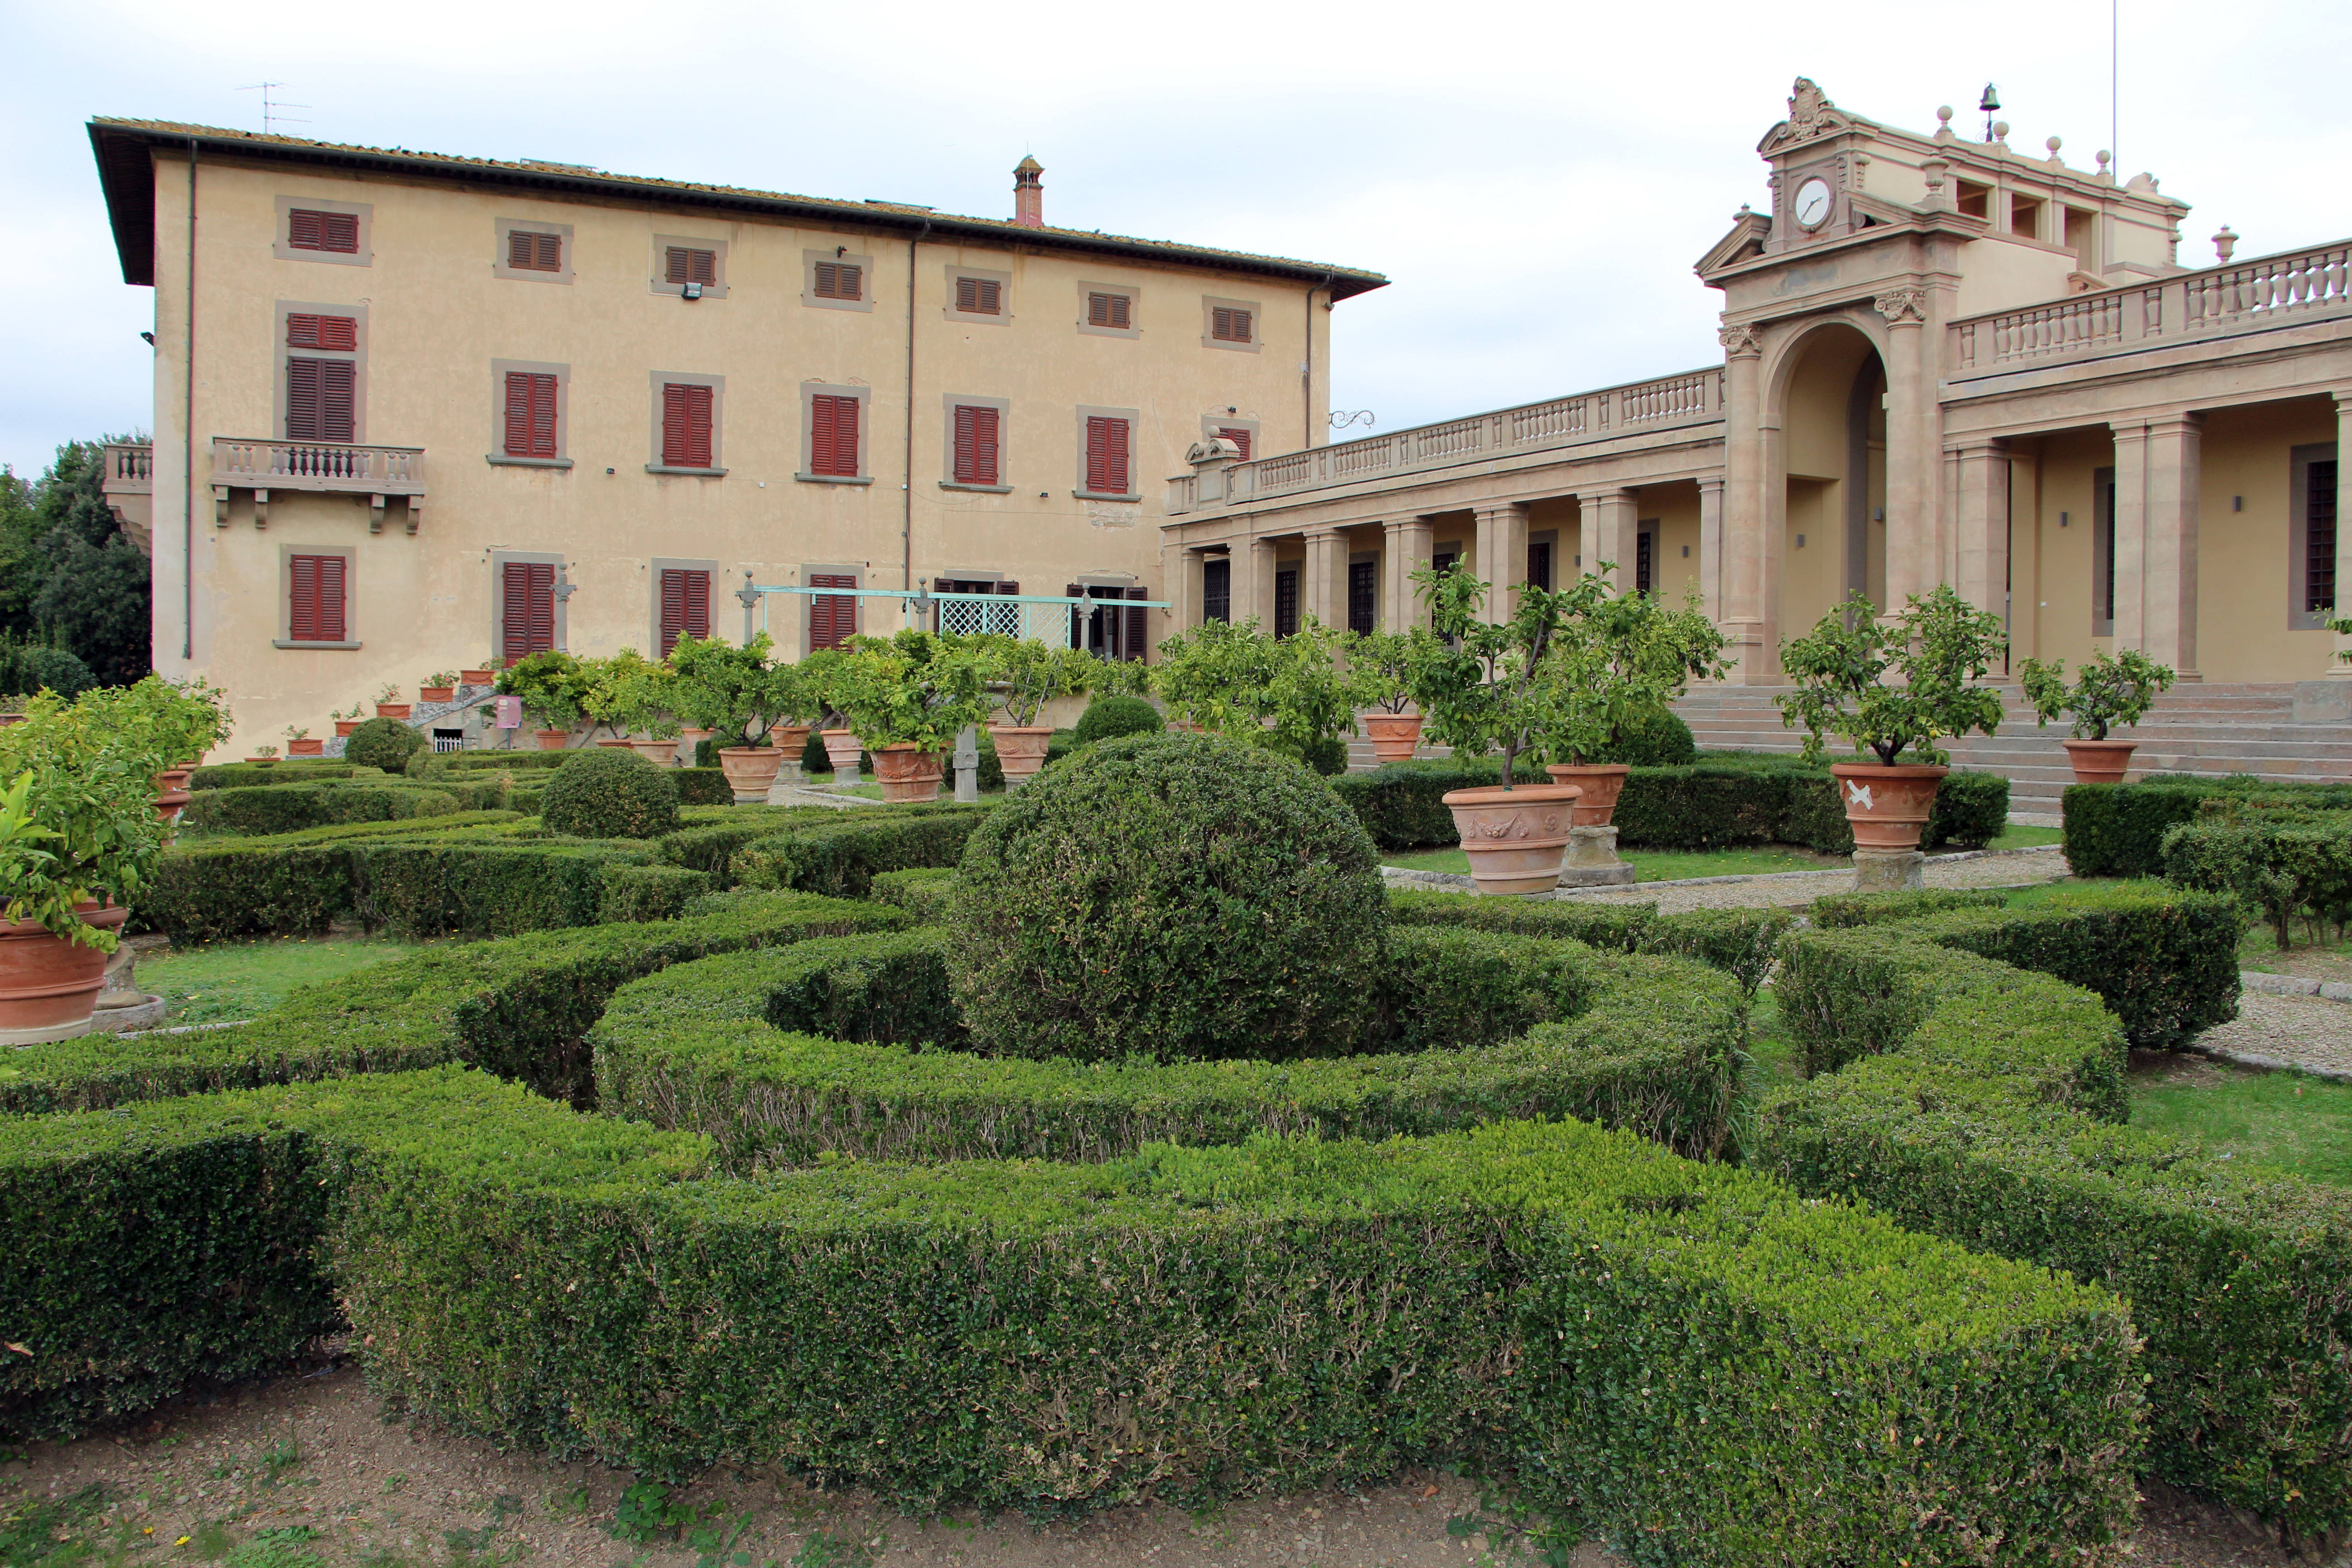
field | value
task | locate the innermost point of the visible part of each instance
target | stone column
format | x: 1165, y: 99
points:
x: 1319, y: 594
x: 1610, y: 524
x: 1405, y: 550
x: 1502, y: 549
x: 1751, y: 610
x: 1180, y: 568
x: 1914, y: 457
x: 1983, y: 516
x: 2338, y: 669
x: 2158, y: 470
x: 1260, y: 602
x: 1710, y: 546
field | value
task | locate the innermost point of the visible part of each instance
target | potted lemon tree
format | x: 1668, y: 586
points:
x: 1213, y: 676
x: 548, y: 683
x: 1621, y: 660
x: 1021, y: 675
x: 2109, y: 690
x: 906, y: 697
x: 742, y: 698
x: 1381, y: 667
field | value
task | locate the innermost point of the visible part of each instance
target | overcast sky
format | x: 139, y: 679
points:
x: 1537, y: 178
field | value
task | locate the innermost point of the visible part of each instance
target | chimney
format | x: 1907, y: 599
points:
x: 1028, y: 195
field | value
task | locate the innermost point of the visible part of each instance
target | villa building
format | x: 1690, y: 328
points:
x: 414, y: 412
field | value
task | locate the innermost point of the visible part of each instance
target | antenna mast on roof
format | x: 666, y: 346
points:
x: 271, y: 119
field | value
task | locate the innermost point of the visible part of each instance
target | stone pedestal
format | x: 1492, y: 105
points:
x: 1592, y: 860
x: 1884, y: 870
x: 966, y: 766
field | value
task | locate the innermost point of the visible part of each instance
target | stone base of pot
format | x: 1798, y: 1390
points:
x: 661, y: 753
x: 2099, y: 761
x: 50, y: 986
x: 688, y: 739
x: 1887, y: 807
x: 617, y: 743
x: 792, y: 741
x: 118, y: 1012
x: 1514, y: 839
x: 1020, y: 750
x: 553, y: 740
x: 908, y: 774
x: 1889, y: 871
x: 1395, y: 736
x: 841, y: 748
x: 1592, y: 860
x: 750, y: 772
x: 1601, y: 783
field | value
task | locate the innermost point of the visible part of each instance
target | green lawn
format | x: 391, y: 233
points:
x: 231, y: 980
x: 1676, y: 864
x: 2286, y: 1119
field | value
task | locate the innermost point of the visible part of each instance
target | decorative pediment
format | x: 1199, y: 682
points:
x: 1811, y: 114
x: 1744, y: 243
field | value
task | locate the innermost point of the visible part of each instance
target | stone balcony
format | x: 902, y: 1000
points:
x: 128, y: 480
x: 265, y: 467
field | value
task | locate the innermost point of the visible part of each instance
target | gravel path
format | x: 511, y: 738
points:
x: 2285, y: 1031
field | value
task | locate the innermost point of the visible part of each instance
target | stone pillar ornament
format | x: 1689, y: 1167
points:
x: 1611, y: 528
x: 967, y: 765
x: 1914, y: 450
x: 1407, y: 551
x: 1749, y: 615
x: 1984, y: 526
x: 1710, y: 545
x: 1502, y: 551
x: 1260, y: 587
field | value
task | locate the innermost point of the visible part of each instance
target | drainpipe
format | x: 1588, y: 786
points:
x: 906, y: 516
x: 1307, y: 370
x: 188, y: 439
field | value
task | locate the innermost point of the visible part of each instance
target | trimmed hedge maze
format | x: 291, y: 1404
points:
x: 1946, y: 1313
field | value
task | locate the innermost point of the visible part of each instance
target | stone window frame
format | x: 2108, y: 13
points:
x: 949, y: 403
x: 810, y: 392
x: 1209, y: 339
x: 1134, y: 292
x: 498, y: 563
x: 1003, y: 282
x: 281, y: 352
x: 864, y: 302
x: 654, y: 568
x: 1212, y: 422
x: 1134, y: 417
x: 657, y: 264
x: 2104, y: 527
x: 809, y: 574
x: 655, y: 381
x: 2298, y: 566
x: 505, y: 227
x: 284, y: 638
x: 283, y: 249
x: 498, y: 457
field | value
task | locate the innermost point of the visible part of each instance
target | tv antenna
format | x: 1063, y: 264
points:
x: 272, y: 115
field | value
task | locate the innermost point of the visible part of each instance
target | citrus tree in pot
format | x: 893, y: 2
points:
x: 2109, y: 690
x: 1484, y: 687
x: 1212, y: 677
x: 1022, y: 675
x: 548, y: 684
x: 1938, y: 650
x: 740, y: 698
x: 1307, y: 703
x: 1621, y: 659
x: 186, y: 721
x: 1382, y: 668
x: 906, y: 697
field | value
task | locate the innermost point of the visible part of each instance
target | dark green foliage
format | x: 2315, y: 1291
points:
x: 255, y: 810
x: 426, y: 889
x: 70, y: 581
x: 1327, y: 755
x: 441, y: 765
x: 610, y: 793
x: 1108, y: 717
x: 38, y: 668
x: 649, y: 892
x: 891, y: 988
x: 2117, y: 830
x: 206, y: 892
x: 840, y: 858
x: 924, y: 893
x: 2282, y: 860
x: 1839, y: 911
x: 1660, y: 741
x: 703, y: 787
x: 381, y: 742
x: 286, y: 770
x: 1740, y: 942
x: 1182, y: 894
x: 815, y: 758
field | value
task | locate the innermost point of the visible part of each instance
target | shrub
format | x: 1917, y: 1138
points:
x: 38, y: 669
x: 1108, y: 717
x: 649, y: 892
x: 1656, y: 739
x: 841, y: 858
x: 264, y: 810
x: 2117, y: 830
x: 609, y: 793
x: 386, y: 743
x: 2280, y: 862
x: 1740, y: 942
x: 703, y: 787
x: 286, y: 770
x: 1188, y: 895
x: 924, y: 893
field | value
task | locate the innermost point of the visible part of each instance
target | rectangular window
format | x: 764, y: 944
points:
x: 1539, y: 564
x: 840, y: 280
x: 685, y: 425
x: 833, y: 435
x: 1241, y: 436
x: 2319, y: 536
x: 684, y: 605
x: 979, y: 296
x: 1107, y: 310
x: 1442, y: 561
x: 531, y: 414
x: 530, y: 252
x: 833, y: 617
x: 1217, y: 589
x: 1363, y: 593
x: 1107, y: 454
x: 320, y: 406
x: 975, y: 445
x: 1285, y: 603
x: 1104, y: 631
x: 2103, y: 553
x: 528, y: 592
x: 316, y: 611
x: 1230, y: 324
x: 308, y: 230
x: 687, y: 265
x: 340, y: 333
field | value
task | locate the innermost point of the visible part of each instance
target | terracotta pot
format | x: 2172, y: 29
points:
x: 661, y: 753
x: 343, y: 727
x: 306, y: 748
x: 264, y: 762
x: 391, y: 710
x: 790, y: 738
x: 1888, y: 806
x: 841, y: 748
x: 48, y: 986
x: 1515, y: 838
x: 11, y: 719
x: 909, y: 773
x: 1020, y: 750
x: 750, y: 771
x: 2099, y: 761
x: 1601, y: 783
x: 1395, y: 736
x: 553, y: 739
x: 436, y: 693
x: 475, y: 677
x: 171, y: 794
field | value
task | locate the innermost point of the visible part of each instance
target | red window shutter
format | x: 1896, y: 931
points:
x: 315, y: 613
x: 531, y: 414
x: 308, y: 230
x: 528, y: 595
x: 1106, y: 455
x: 310, y: 331
x: 833, y: 618
x: 302, y: 399
x: 1239, y: 435
x: 685, y: 425
x: 529, y: 252
x: 833, y: 435
x: 319, y: 399
x: 684, y: 605
x: 975, y: 445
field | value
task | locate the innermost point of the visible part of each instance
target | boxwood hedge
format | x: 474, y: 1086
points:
x: 2117, y: 830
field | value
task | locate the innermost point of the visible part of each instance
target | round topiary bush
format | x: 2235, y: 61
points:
x: 1660, y: 741
x: 1112, y: 717
x: 1169, y: 896
x: 50, y: 669
x: 386, y: 743
x: 608, y: 793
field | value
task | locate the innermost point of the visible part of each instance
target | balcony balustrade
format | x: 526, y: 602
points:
x: 336, y: 468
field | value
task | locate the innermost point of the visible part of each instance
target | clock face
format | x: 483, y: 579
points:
x: 1813, y: 203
